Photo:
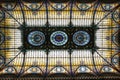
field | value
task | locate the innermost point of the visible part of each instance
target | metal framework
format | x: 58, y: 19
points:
x: 51, y: 62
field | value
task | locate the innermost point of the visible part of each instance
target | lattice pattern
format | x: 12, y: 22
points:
x: 21, y: 18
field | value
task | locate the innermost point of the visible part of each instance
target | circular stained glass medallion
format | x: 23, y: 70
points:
x: 81, y: 38
x: 59, y: 38
x: 36, y: 38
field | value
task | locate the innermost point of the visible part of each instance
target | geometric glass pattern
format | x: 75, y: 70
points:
x: 60, y: 39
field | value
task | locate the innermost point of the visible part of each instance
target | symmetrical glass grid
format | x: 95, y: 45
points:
x: 66, y: 40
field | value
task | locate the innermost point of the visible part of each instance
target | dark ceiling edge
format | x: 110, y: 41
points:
x: 59, y: 1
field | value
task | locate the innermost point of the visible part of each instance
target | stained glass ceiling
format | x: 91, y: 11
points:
x: 60, y: 40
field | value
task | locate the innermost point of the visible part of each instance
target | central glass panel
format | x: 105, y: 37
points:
x: 58, y: 38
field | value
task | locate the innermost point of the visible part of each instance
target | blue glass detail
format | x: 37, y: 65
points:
x: 81, y: 38
x: 36, y: 38
x: 59, y: 38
